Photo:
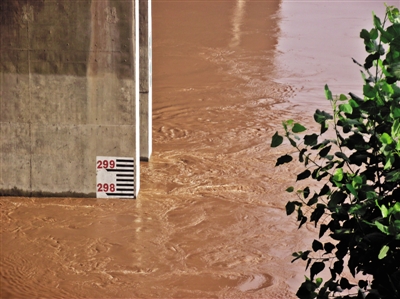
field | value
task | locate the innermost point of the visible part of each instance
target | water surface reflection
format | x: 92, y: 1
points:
x: 237, y: 20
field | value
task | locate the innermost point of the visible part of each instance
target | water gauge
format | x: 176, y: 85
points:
x: 115, y: 177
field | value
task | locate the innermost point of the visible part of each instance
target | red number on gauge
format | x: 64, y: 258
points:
x: 105, y: 164
x: 105, y: 187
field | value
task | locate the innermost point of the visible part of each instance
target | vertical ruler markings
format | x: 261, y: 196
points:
x: 115, y: 177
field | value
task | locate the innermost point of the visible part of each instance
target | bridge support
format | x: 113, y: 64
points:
x: 145, y: 80
x: 69, y: 91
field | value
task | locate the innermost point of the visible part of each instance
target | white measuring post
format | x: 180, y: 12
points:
x: 115, y: 177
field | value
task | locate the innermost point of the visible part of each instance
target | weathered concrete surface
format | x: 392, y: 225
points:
x: 69, y: 92
x: 145, y: 76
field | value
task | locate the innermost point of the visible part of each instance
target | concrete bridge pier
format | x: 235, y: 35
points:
x: 69, y: 92
x: 145, y: 86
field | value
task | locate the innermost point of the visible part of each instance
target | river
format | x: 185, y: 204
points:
x: 209, y: 221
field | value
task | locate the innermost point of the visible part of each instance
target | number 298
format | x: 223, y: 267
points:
x: 105, y: 187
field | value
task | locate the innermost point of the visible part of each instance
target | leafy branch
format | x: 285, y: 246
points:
x: 358, y: 206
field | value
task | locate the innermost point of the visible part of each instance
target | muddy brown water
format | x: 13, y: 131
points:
x: 209, y: 221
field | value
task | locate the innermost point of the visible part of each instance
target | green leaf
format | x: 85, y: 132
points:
x: 393, y: 176
x: 369, y: 91
x: 317, y: 245
x: 307, y: 159
x: 290, y: 122
x: 363, y: 284
x: 356, y: 141
x: 393, y: 14
x: 290, y: 206
x: 328, y: 93
x: 324, y: 127
x: 336, y: 199
x: 329, y: 157
x: 342, y: 156
x: 322, y: 230
x: 371, y: 195
x: 325, y: 189
x: 302, y: 221
x: 290, y: 189
x: 384, y: 211
x: 373, y: 34
x: 298, y: 128
x: 276, y: 140
x: 386, y: 37
x: 389, y: 162
x: 304, y: 255
x: 301, y: 155
x: 356, y: 209
x: 317, y: 214
x: 387, y: 88
x: 396, y: 207
x: 305, y: 174
x: 322, y: 153
x: 395, y: 69
x: 284, y: 159
x: 346, y: 108
x: 319, y: 281
x: 395, y: 43
x: 338, y: 175
x: 353, y: 103
x: 382, y: 228
x: 306, y: 192
x: 396, y: 128
x: 328, y: 247
x: 358, y: 158
x: 292, y: 142
x: 313, y: 200
x: 296, y: 256
x: 369, y: 61
x: 377, y: 22
x: 307, y: 290
x: 358, y: 180
x: 364, y: 34
x: 371, y: 46
x: 344, y: 284
x: 351, y: 189
x: 316, y: 268
x: 311, y: 139
x: 394, y: 229
x: 321, y: 116
x: 338, y: 266
x: 386, y: 139
x: 395, y: 111
x: 383, y: 252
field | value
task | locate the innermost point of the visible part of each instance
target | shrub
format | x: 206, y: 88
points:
x: 357, y: 208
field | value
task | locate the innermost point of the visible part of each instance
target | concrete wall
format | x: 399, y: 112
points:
x: 69, y: 87
x: 145, y: 86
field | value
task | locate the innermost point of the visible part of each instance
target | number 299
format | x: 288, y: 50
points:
x: 105, y: 164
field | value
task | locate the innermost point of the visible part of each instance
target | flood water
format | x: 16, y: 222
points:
x: 209, y: 221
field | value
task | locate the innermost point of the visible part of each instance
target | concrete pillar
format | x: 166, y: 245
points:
x: 69, y: 91
x: 145, y: 79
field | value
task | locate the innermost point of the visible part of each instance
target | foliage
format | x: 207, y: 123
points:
x: 357, y: 208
